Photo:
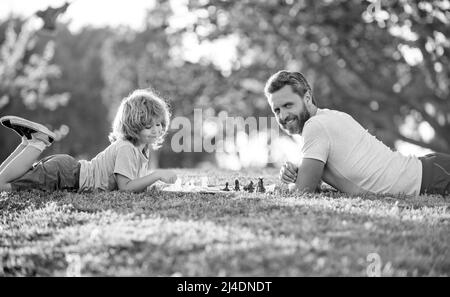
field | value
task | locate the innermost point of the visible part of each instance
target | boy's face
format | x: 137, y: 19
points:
x: 151, y: 133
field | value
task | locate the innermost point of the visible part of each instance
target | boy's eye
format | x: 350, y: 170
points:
x: 155, y: 125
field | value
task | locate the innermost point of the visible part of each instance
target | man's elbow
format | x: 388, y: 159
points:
x: 307, y: 188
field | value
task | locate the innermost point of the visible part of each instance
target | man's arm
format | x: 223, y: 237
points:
x: 309, y: 175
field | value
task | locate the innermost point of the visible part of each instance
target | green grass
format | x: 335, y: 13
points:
x: 167, y: 234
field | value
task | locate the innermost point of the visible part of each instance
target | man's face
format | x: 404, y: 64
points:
x: 289, y: 109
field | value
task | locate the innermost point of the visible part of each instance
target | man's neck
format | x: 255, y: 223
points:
x: 313, y: 110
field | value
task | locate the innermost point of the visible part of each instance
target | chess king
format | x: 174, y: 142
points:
x: 339, y: 151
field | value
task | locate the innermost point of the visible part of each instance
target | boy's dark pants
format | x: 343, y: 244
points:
x: 435, y: 174
x: 56, y: 172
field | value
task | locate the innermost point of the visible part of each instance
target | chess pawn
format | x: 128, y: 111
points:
x: 226, y: 187
x: 249, y: 188
x: 178, y: 183
x: 236, y: 185
x: 260, y: 188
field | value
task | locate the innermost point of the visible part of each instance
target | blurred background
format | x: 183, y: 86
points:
x: 384, y: 62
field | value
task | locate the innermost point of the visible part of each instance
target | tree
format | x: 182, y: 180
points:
x: 24, y: 77
x: 144, y: 59
x: 384, y: 62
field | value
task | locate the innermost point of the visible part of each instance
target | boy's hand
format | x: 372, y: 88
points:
x: 288, y: 173
x: 167, y: 176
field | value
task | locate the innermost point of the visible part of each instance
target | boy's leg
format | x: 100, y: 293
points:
x: 25, y: 159
x: 19, y: 148
x: 20, y: 164
x: 39, y: 137
x: 21, y: 160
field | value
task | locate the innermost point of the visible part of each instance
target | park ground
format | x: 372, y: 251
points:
x: 237, y: 234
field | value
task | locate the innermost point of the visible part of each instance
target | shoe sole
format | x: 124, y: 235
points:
x: 25, y: 127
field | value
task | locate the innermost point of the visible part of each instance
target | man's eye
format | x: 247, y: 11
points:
x: 277, y: 111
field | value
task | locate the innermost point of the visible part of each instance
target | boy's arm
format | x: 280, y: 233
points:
x: 309, y: 175
x: 138, y: 184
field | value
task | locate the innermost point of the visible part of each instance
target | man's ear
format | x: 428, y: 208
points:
x: 308, y: 97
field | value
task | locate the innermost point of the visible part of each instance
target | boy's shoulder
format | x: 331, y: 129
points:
x: 122, y: 143
x: 120, y: 146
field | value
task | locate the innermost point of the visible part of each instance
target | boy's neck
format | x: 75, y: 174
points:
x: 143, y: 148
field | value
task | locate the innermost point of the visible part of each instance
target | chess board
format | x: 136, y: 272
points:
x: 196, y: 189
x: 207, y: 189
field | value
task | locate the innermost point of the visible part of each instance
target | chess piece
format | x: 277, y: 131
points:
x: 178, y: 183
x: 260, y: 187
x: 226, y: 187
x: 236, y: 185
x: 249, y: 188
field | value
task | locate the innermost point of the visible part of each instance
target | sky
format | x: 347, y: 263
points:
x: 85, y: 12
x: 130, y: 13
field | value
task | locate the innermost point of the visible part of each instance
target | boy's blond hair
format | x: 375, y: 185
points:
x: 140, y: 109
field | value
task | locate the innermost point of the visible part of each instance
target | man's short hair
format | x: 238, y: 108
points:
x: 296, y: 80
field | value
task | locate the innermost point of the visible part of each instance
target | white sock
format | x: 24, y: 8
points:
x: 36, y: 143
x: 24, y: 141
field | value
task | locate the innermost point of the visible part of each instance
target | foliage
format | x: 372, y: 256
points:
x: 382, y: 61
x: 70, y: 63
x: 144, y: 59
x: 187, y: 234
x: 26, y: 69
x: 24, y: 73
x: 80, y: 60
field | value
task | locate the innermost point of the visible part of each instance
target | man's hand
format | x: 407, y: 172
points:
x: 288, y: 173
x: 167, y: 176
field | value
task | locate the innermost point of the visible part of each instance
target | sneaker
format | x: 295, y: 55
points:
x: 26, y: 128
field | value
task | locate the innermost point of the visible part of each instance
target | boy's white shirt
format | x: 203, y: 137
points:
x: 355, y: 161
x: 120, y: 157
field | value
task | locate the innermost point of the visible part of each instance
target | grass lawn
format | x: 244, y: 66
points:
x: 238, y: 234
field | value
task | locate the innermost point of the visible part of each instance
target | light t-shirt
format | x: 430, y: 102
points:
x: 120, y: 157
x: 355, y: 161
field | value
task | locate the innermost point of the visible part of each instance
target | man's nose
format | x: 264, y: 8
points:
x: 283, y: 115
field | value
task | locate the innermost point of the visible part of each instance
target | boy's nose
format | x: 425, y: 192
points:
x: 157, y: 130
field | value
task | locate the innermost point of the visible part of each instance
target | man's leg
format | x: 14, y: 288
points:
x: 436, y: 174
x: 442, y: 173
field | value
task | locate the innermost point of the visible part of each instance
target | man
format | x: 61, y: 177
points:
x: 339, y: 151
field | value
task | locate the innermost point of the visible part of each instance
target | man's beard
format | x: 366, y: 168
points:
x: 297, y: 126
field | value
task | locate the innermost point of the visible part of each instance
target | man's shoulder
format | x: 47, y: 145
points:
x: 319, y: 120
x: 327, y: 118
